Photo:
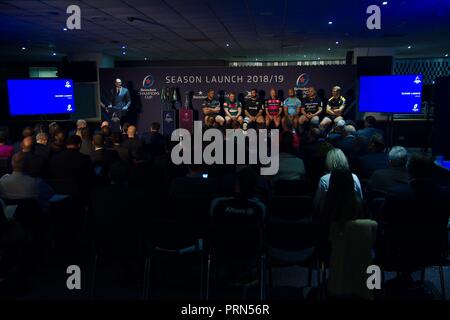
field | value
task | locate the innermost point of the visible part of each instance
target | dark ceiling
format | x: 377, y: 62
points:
x: 236, y: 30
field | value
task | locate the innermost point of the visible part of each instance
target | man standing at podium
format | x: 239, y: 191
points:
x: 120, y: 102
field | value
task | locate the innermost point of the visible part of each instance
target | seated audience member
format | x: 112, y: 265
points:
x: 87, y: 148
x: 414, y: 216
x: 347, y: 143
x: 314, y: 152
x: 72, y: 165
x: 335, y: 160
x: 376, y: 159
x: 124, y: 153
x: 80, y: 125
x: 21, y: 186
x: 41, y: 147
x: 369, y: 130
x: 351, y: 237
x: 244, y: 200
x: 132, y: 141
x: 291, y: 167
x: 101, y: 157
x: 6, y: 151
x: 154, y: 142
x: 26, y: 132
x: 384, y: 179
x: 58, y: 142
x: 337, y: 133
x: 33, y: 164
x: 193, y: 185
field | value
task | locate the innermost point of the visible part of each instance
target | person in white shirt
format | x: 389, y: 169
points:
x: 335, y: 160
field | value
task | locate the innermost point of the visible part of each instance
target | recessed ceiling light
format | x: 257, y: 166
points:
x: 318, y: 58
x: 145, y: 58
x: 23, y: 48
x: 123, y: 47
x: 409, y: 47
x: 384, y: 3
x: 337, y: 42
x: 64, y: 29
x: 227, y: 44
x: 124, y: 53
x: 54, y: 54
x: 446, y: 55
x: 304, y: 56
x: 329, y: 49
x: 330, y: 22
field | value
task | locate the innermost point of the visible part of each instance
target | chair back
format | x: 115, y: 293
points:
x: 237, y: 228
x: 292, y: 208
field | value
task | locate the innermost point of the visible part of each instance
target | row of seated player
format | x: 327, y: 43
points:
x: 273, y: 111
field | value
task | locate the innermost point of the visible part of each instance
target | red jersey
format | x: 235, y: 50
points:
x: 273, y: 106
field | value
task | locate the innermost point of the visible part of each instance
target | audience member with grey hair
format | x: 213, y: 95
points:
x: 41, y: 147
x: 335, y: 160
x: 384, y: 179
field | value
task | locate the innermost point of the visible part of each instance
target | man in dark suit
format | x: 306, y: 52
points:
x: 376, y: 159
x: 154, y: 142
x: 72, y: 165
x: 414, y: 217
x: 384, y: 179
x: 34, y: 165
x: 121, y: 99
x: 368, y: 132
x: 102, y: 158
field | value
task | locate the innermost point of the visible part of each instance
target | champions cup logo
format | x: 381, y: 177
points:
x: 148, y: 82
x: 147, y: 91
x: 302, y: 80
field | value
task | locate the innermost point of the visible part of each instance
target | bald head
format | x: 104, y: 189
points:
x: 131, y: 131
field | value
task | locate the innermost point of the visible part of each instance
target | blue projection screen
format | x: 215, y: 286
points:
x: 390, y: 94
x: 40, y: 96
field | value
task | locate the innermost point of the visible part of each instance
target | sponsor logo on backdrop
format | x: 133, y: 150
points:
x: 302, y: 80
x: 148, y: 91
x: 301, y: 84
x: 200, y: 95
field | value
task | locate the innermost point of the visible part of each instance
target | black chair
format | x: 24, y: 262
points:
x: 410, y: 248
x: 176, y: 231
x: 290, y: 188
x: 115, y: 229
x: 292, y: 208
x: 295, y: 243
x: 237, y: 235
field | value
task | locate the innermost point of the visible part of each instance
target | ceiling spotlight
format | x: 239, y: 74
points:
x: 318, y: 58
x: 304, y: 56
x: 337, y: 42
x: 409, y: 47
x: 329, y: 49
x: 64, y: 29
x: 145, y: 58
x: 227, y: 44
x: 124, y: 53
x: 123, y: 47
x: 330, y: 22
x: 446, y: 55
x: 54, y: 54
x: 23, y: 48
x: 384, y: 3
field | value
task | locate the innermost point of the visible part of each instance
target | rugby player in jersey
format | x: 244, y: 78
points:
x: 291, y: 106
x: 253, y: 110
x: 233, y: 110
x: 273, y: 109
x: 311, y: 107
x: 335, y: 108
x: 211, y: 110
